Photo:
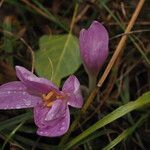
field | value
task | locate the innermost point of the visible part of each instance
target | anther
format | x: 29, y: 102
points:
x: 49, y: 104
x: 49, y: 95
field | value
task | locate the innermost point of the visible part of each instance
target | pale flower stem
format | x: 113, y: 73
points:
x: 92, y: 82
x: 85, y: 91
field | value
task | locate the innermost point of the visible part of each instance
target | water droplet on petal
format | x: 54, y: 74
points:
x: 24, y: 93
x: 6, y: 107
x: 62, y: 128
x: 57, y: 116
x: 18, y: 106
x: 27, y: 102
x: 49, y: 117
x: 63, y: 123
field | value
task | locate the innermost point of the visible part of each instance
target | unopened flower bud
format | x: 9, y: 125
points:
x: 93, y: 47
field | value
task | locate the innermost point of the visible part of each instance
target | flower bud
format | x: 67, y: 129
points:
x: 93, y: 47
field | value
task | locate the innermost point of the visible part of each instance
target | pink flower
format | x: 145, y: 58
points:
x: 93, y: 47
x: 51, y: 111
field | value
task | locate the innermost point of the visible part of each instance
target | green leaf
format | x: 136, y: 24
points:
x: 58, y: 57
x: 119, y: 112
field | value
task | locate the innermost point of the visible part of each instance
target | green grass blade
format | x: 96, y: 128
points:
x: 125, y: 134
x: 51, y: 16
x: 119, y: 112
x: 13, y: 121
x: 94, y: 136
x: 125, y: 97
x: 30, y: 142
x: 11, y: 134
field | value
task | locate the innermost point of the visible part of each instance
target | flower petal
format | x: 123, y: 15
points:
x: 72, y: 86
x: 57, y: 111
x: 58, y: 129
x: 14, y: 95
x: 41, y: 85
x: 40, y: 112
x: 45, y: 116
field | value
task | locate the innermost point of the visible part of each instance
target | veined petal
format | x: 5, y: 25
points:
x: 14, y: 95
x: 41, y: 85
x: 58, y: 129
x: 72, y: 86
x: 45, y: 116
x: 40, y: 112
x: 57, y: 110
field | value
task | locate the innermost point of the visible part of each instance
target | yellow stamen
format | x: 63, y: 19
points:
x: 57, y: 97
x: 49, y: 104
x: 48, y: 99
x: 49, y: 95
x: 43, y: 96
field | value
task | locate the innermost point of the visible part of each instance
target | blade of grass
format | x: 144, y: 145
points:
x: 44, y: 13
x: 17, y: 4
x: 119, y: 112
x: 11, y: 134
x: 31, y: 142
x: 125, y: 97
x: 9, y: 42
x: 25, y: 129
x: 4, y: 135
x: 94, y: 136
x: 126, y: 133
x: 13, y: 121
x: 51, y: 16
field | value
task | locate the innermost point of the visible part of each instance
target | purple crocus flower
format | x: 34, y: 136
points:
x: 93, y: 47
x: 51, y: 112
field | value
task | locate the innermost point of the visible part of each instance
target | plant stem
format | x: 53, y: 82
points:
x: 92, y: 82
